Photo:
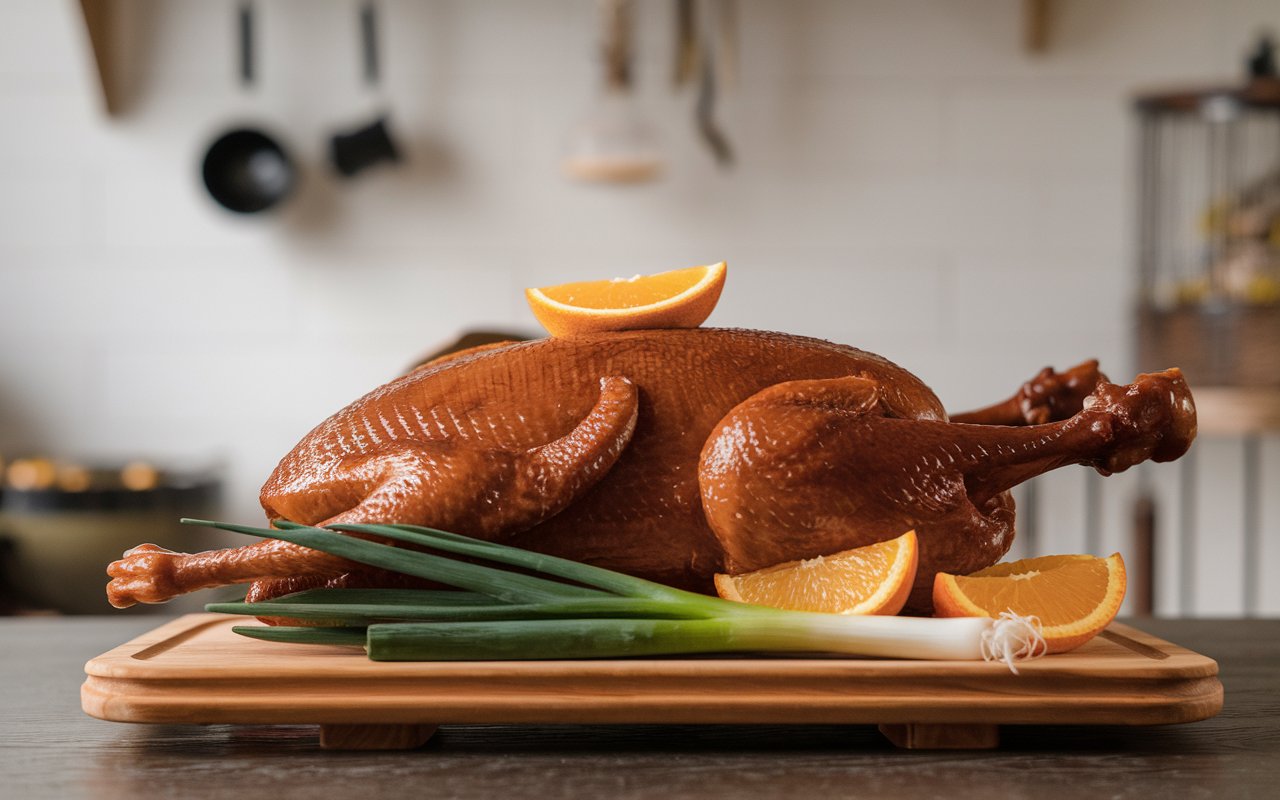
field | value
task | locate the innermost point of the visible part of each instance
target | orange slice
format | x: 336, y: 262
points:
x: 875, y: 579
x: 1074, y: 596
x: 681, y: 298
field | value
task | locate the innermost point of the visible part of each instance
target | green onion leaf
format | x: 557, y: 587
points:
x: 365, y: 613
x: 511, y: 587
x: 392, y: 597
x: 343, y: 636
x: 603, y: 579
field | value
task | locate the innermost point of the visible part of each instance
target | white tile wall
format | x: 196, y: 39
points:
x: 908, y: 181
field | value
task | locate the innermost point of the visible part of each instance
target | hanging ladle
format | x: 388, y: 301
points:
x: 246, y: 170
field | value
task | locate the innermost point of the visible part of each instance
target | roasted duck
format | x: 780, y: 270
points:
x: 675, y: 454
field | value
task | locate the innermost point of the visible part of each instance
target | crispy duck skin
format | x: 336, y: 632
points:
x: 675, y: 454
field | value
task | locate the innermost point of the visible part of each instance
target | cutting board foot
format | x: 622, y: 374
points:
x: 920, y: 736
x: 374, y: 737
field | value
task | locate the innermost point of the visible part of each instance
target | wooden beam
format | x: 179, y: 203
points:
x: 99, y: 22
x: 1035, y: 25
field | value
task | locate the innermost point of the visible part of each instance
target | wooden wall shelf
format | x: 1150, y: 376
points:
x: 1236, y: 411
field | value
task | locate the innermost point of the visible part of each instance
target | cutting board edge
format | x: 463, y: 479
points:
x: 120, y: 687
x: 104, y: 700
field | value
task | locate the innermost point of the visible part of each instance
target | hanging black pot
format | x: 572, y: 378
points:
x: 246, y: 170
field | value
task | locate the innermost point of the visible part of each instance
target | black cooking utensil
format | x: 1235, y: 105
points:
x: 354, y: 151
x: 246, y: 170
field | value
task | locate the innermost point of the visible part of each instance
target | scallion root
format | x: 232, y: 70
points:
x: 1013, y: 637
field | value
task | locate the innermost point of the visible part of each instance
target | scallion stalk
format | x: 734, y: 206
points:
x: 776, y: 632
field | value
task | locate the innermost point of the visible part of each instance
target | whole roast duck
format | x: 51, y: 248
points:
x: 676, y: 454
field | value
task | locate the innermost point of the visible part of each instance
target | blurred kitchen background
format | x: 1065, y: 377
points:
x: 964, y: 186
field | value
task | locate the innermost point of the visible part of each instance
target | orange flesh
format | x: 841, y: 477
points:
x: 840, y: 583
x: 1074, y: 597
x: 1057, y: 593
x: 642, y: 290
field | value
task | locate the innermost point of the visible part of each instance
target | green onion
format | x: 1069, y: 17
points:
x: 345, y: 636
x: 514, y: 587
x: 620, y: 607
x: 383, y: 597
x: 603, y: 579
x: 773, y: 631
x: 503, y: 614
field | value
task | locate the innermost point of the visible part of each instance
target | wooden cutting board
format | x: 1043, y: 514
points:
x: 195, y: 670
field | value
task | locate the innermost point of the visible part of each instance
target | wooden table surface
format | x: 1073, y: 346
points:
x: 50, y: 749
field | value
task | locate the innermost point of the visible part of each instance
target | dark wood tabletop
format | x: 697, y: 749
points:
x: 50, y: 749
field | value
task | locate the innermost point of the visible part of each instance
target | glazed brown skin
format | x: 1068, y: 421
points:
x: 674, y: 454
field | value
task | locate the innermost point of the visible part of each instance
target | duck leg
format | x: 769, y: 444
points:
x: 1048, y: 397
x: 809, y: 468
x: 484, y: 492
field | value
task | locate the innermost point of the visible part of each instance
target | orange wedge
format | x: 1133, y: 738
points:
x: 875, y: 579
x: 1074, y: 596
x: 681, y: 298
